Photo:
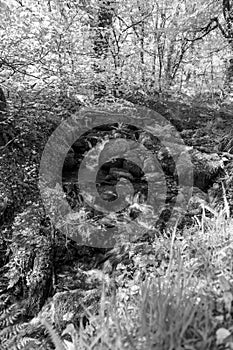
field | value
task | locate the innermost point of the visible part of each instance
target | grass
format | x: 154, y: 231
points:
x: 185, y: 303
x: 174, y: 293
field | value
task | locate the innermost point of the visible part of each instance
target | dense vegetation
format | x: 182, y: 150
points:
x: 138, y: 95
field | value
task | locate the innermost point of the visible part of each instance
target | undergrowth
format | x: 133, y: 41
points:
x: 184, y: 303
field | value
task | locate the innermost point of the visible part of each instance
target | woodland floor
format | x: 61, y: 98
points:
x: 165, y: 291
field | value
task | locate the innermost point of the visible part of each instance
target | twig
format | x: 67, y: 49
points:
x: 7, y: 144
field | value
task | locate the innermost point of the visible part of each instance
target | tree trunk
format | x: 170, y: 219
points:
x: 29, y: 272
x: 101, y: 45
x: 229, y: 77
x: 2, y: 117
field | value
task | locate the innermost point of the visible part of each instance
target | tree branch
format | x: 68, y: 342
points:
x: 221, y: 29
x: 207, y: 29
x: 135, y: 23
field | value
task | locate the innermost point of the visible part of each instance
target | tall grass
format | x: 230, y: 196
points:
x: 182, y: 309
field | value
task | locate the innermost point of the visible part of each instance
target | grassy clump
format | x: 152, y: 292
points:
x: 186, y: 307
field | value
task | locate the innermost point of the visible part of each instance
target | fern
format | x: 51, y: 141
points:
x: 25, y: 343
x: 10, y: 315
x: 14, y: 334
x: 3, y: 303
x: 13, y: 330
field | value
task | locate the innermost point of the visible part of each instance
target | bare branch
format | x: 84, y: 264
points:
x: 128, y: 26
x: 207, y: 29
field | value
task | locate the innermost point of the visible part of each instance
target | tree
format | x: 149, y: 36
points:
x: 2, y: 117
x: 100, y: 29
x: 2, y: 102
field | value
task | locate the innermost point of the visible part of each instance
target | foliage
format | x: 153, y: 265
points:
x: 159, y: 292
x: 186, y: 307
x: 153, y: 46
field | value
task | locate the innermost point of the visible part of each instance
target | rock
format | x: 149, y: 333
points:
x: 198, y: 199
x: 207, y: 168
x: 150, y: 166
x: 114, y: 149
x: 118, y: 173
x: 133, y: 162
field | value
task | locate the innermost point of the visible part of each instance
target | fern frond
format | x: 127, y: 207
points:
x: 12, y: 331
x: 3, y: 303
x: 10, y: 315
x: 25, y: 343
